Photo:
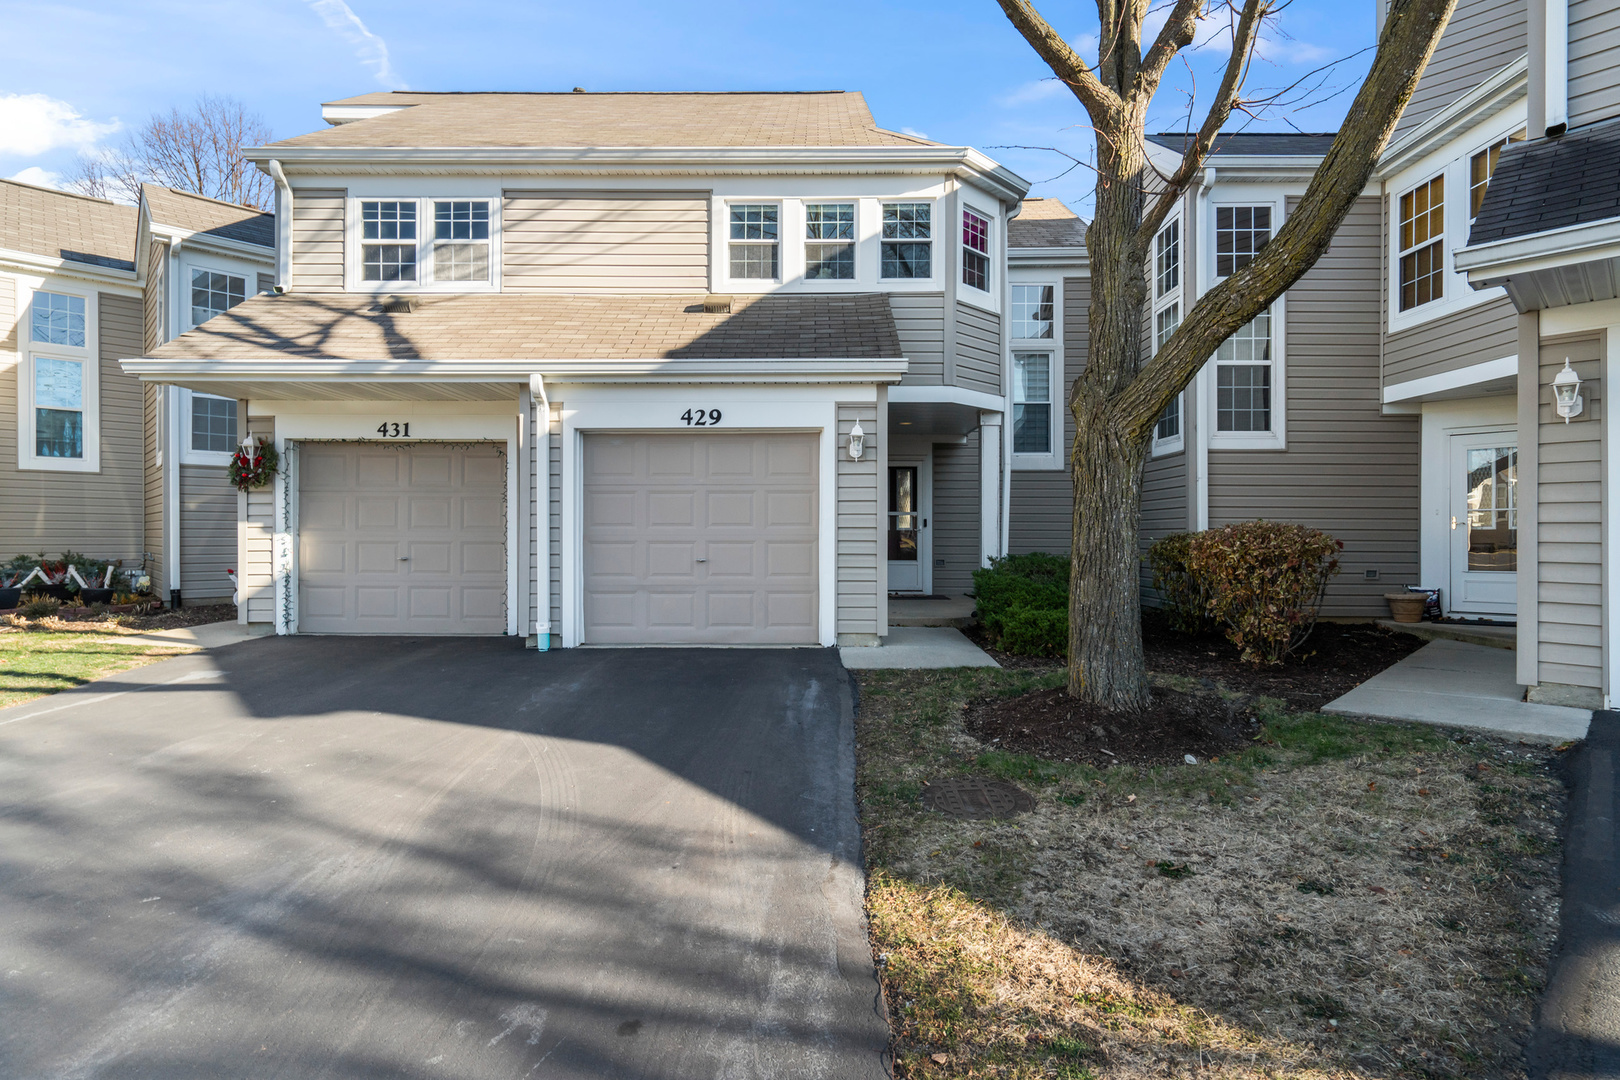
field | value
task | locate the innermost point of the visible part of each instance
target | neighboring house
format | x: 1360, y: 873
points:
x: 70, y: 419
x: 83, y: 283
x: 200, y: 257
x: 618, y: 368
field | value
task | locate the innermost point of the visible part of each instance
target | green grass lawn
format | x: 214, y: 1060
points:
x: 36, y: 663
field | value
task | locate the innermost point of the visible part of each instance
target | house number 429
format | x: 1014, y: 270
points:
x: 394, y: 430
x: 701, y: 417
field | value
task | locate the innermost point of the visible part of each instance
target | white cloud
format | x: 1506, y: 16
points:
x: 1287, y: 50
x: 1039, y: 90
x: 914, y: 133
x: 1086, y: 45
x: 368, y: 47
x: 38, y: 177
x: 34, y: 124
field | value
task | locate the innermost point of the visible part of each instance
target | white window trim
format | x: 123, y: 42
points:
x: 785, y: 231
x: 982, y: 297
x: 190, y: 456
x: 354, y: 261
x: 1453, y: 162
x: 89, y: 356
x: 1162, y: 447
x: 1277, y: 437
x: 1053, y: 459
x: 249, y: 286
x: 800, y: 269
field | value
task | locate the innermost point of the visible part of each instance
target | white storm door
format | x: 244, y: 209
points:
x: 909, y: 536
x: 1484, y: 524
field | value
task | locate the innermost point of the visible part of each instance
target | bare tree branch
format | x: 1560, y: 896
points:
x: 198, y: 151
x: 1065, y: 63
x: 1178, y: 32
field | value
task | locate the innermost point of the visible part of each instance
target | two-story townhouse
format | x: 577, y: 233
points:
x: 1547, y: 231
x: 618, y: 368
x: 200, y: 257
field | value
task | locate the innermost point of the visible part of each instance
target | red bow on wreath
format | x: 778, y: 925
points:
x: 255, y: 469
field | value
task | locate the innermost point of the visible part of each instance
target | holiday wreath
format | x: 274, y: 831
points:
x: 253, y: 468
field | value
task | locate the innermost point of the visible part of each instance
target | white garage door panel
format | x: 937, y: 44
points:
x: 401, y: 539
x: 704, y: 539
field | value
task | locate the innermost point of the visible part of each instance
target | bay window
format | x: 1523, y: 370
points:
x: 975, y: 251
x: 1422, y: 243
x: 1167, y: 432
x: 829, y: 250
x: 908, y: 245
x: 1165, y: 273
x: 755, y: 241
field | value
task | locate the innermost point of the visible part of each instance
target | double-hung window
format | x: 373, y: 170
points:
x: 1167, y: 432
x: 755, y: 241
x: 829, y: 241
x: 1247, y: 395
x: 213, y: 293
x: 1167, y: 260
x: 212, y: 437
x: 1422, y: 244
x: 908, y: 245
x: 1035, y: 346
x: 1480, y: 168
x: 1032, y: 311
x: 1166, y: 306
x: 1240, y: 233
x: 57, y: 406
x: 461, y: 240
x: 975, y: 251
x: 1032, y: 403
x: 388, y: 240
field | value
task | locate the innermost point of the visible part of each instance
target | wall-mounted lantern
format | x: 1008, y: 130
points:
x: 1567, y: 392
x: 857, y: 441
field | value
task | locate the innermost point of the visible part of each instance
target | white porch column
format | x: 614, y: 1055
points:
x: 990, y: 473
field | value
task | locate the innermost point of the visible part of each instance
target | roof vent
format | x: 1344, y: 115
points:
x: 397, y: 305
x: 579, y: 89
x: 716, y: 305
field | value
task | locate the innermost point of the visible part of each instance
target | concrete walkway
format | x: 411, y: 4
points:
x: 205, y: 636
x: 918, y: 647
x: 1456, y: 684
x: 1577, y: 1034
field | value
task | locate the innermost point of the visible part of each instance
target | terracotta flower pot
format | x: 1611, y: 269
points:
x: 1406, y: 607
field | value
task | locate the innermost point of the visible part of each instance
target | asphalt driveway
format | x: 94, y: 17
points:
x: 349, y: 857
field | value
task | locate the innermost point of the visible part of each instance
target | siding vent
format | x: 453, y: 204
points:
x: 1370, y: 575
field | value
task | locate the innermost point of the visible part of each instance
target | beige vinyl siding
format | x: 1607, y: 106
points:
x: 317, y: 239
x: 153, y: 307
x: 256, y: 561
x: 1483, y: 37
x: 266, y: 282
x: 1487, y: 332
x: 207, y: 533
x: 100, y: 513
x: 1569, y: 529
x: 1164, y: 505
x: 857, y: 527
x: 1594, y: 61
x: 634, y: 241
x: 920, y: 320
x: 1348, y: 469
x: 1042, y: 511
x: 978, y: 348
x: 956, y: 515
x: 153, y: 490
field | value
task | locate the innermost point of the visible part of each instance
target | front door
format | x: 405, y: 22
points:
x: 908, y: 527
x: 1484, y: 524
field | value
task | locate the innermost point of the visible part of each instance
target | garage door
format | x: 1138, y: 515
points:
x: 701, y: 539
x: 407, y: 539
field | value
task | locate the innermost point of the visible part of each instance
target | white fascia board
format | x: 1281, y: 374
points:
x: 1416, y: 389
x: 802, y: 370
x: 948, y: 395
x: 1488, y: 263
x: 24, y: 262
x: 305, y: 369
x: 219, y: 245
x: 662, y: 160
x: 1487, y: 99
x: 1263, y: 168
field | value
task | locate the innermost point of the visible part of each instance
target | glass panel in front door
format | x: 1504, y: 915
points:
x: 1493, y: 513
x: 903, y: 510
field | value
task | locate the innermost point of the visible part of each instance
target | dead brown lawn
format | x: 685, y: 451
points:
x: 1343, y: 899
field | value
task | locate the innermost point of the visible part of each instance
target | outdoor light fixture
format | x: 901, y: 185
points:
x: 857, y: 441
x: 1567, y: 392
x: 247, y: 442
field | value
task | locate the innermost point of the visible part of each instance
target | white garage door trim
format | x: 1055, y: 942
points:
x: 492, y: 605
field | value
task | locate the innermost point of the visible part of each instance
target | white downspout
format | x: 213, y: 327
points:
x: 284, y: 223
x: 173, y: 424
x: 542, y: 496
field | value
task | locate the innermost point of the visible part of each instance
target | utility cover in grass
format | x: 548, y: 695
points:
x: 977, y: 797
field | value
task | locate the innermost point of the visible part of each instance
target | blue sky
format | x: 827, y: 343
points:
x: 78, y: 75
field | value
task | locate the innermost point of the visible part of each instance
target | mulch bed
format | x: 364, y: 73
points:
x: 1050, y: 724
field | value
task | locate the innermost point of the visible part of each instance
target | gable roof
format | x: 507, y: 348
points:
x: 1256, y: 143
x: 1552, y: 183
x: 346, y: 326
x: 213, y: 217
x: 442, y: 120
x: 1046, y: 223
x: 62, y: 225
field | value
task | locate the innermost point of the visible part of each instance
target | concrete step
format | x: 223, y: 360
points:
x: 1497, y: 637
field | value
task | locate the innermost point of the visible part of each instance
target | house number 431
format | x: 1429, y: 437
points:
x: 394, y: 430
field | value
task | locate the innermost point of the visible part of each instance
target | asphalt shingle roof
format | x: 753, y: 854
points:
x: 344, y: 326
x: 1552, y: 183
x: 1046, y: 223
x: 61, y: 225
x: 1260, y: 143
x: 198, y: 213
x: 821, y: 118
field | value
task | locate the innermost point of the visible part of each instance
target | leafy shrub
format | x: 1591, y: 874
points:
x: 1184, y: 601
x: 1023, y: 603
x: 34, y: 606
x: 1263, y: 581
